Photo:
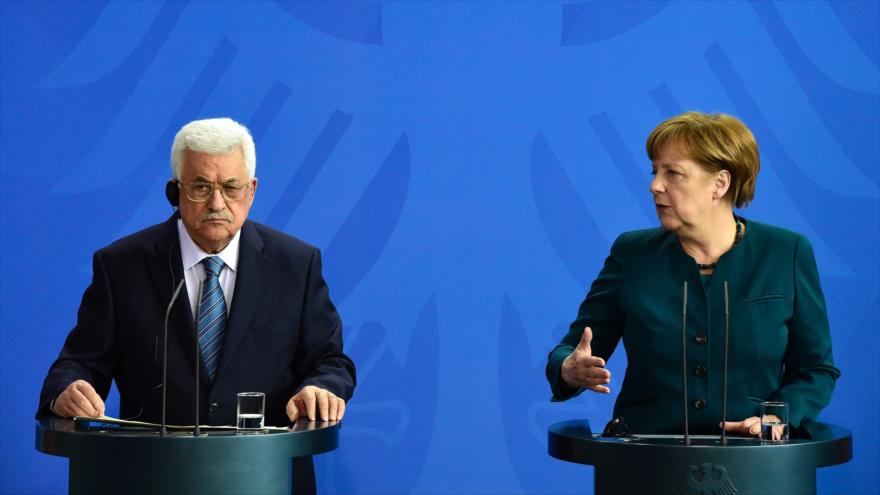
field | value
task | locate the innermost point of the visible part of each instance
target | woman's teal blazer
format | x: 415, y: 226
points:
x: 779, y: 340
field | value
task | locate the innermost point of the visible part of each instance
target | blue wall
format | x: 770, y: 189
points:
x: 464, y: 167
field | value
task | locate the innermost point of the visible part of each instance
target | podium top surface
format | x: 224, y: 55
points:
x: 573, y: 441
x: 58, y: 436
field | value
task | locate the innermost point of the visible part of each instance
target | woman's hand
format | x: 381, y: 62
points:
x: 582, y: 369
x: 752, y: 427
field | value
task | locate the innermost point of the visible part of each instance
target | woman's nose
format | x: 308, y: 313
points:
x: 656, y: 185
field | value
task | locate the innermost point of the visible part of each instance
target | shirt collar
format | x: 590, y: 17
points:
x: 191, y: 254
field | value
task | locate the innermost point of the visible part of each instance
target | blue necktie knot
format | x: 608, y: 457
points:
x: 213, y: 265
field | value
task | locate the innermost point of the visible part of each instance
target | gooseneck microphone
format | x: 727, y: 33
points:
x: 684, y: 382
x: 163, y: 431
x: 196, y: 431
x: 724, y: 373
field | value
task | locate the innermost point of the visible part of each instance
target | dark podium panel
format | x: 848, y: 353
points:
x: 662, y: 464
x: 115, y: 460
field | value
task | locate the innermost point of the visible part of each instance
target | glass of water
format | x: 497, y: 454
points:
x: 774, y: 421
x: 251, y: 406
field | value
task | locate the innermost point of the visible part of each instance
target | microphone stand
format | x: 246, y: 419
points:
x: 724, y: 375
x: 163, y: 430
x: 196, y: 431
x: 687, y: 439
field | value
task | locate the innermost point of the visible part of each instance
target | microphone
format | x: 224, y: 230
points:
x: 196, y: 431
x: 163, y: 431
x: 724, y: 373
x: 684, y: 382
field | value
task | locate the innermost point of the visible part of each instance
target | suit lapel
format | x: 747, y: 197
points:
x: 251, y: 278
x: 167, y: 271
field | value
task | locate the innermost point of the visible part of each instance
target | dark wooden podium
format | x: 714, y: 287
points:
x: 114, y: 460
x: 662, y: 464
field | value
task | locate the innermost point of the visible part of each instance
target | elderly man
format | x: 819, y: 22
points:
x: 265, y: 322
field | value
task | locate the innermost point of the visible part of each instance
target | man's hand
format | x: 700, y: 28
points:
x: 79, y: 399
x: 582, y: 369
x: 312, y: 399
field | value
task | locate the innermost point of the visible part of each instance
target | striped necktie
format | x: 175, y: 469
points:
x: 212, y: 315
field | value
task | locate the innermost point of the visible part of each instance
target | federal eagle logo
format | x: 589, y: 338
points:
x: 707, y: 479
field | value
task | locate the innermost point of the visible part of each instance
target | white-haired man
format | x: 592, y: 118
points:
x: 265, y: 321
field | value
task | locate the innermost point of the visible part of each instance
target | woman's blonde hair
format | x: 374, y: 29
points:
x: 716, y: 142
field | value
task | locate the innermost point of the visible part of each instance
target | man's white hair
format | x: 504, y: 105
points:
x: 216, y: 137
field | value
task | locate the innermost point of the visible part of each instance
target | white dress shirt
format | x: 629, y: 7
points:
x: 192, y: 256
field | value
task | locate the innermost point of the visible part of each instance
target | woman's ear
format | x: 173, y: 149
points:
x: 722, y: 184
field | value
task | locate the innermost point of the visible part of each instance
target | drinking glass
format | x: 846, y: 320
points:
x: 250, y: 411
x: 774, y: 421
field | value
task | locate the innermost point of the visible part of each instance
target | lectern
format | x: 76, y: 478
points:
x: 116, y: 460
x: 662, y: 464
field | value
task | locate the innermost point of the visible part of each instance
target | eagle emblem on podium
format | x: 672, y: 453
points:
x: 707, y: 479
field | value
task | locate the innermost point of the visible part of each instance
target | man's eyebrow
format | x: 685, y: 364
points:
x: 229, y: 180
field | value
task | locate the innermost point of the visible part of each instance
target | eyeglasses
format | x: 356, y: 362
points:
x: 199, y: 192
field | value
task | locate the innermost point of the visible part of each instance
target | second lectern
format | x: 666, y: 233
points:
x: 662, y: 464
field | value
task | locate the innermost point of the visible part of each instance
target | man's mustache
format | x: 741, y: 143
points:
x: 217, y: 215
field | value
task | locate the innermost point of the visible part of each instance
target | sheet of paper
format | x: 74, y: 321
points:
x: 85, y: 421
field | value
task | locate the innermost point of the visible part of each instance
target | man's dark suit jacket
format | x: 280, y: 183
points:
x: 283, y: 332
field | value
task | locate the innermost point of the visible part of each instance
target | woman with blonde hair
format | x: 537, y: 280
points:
x: 779, y: 341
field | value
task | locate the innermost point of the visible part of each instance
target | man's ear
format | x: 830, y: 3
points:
x: 172, y: 192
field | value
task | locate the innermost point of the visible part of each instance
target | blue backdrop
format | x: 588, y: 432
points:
x: 464, y: 167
